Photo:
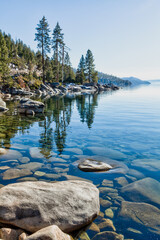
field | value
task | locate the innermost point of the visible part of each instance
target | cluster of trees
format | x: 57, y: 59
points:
x: 16, y: 54
x: 57, y: 68
x: 3, y: 58
x: 86, y: 69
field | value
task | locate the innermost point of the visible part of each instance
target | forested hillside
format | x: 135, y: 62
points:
x: 21, y: 67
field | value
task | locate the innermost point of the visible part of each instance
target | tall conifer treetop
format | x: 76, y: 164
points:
x: 90, y: 67
x: 57, y: 35
x: 42, y: 35
x: 43, y: 39
x: 58, y: 48
x: 80, y: 73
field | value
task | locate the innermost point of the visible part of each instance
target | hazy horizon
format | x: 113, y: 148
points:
x: 123, y: 35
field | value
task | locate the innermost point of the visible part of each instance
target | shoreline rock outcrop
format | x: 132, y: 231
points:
x: 28, y: 106
x: 3, y: 106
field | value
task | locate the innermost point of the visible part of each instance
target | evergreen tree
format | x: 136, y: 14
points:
x: 90, y: 67
x: 57, y: 45
x: 43, y: 39
x: 67, y: 66
x: 49, y: 71
x: 39, y: 60
x: 80, y: 73
x: 69, y: 75
x: 4, y: 69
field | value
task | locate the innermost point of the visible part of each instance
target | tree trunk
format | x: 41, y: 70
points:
x: 62, y: 63
x: 43, y: 61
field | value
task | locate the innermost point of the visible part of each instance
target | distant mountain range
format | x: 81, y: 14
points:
x: 110, y: 79
x: 135, y: 81
x: 121, y: 82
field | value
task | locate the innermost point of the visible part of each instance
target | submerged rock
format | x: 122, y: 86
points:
x: 108, y: 235
x: 24, y: 160
x: 94, y: 228
x: 107, y: 183
x: 74, y: 150
x: 90, y: 165
x: 13, y: 173
x: 145, y: 190
x: 141, y: 213
x: 107, y: 152
x: 147, y: 164
x: 105, y: 203
x: 35, y: 152
x: 35, y: 205
x: 10, y: 155
x: 71, y: 177
x: 121, y: 181
x: 107, y: 224
x: 109, y: 213
x: 31, y: 166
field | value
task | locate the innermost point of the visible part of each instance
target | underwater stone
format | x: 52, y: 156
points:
x: 144, y: 214
x: 108, y: 235
x: 144, y: 190
x: 15, y: 173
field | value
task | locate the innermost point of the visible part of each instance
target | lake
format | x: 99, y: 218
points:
x: 121, y: 128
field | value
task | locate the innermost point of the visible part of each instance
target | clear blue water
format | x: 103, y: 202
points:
x: 123, y: 126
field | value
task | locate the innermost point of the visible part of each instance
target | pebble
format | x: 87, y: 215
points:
x: 109, y: 213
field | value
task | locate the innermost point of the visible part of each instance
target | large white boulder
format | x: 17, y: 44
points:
x: 34, y: 205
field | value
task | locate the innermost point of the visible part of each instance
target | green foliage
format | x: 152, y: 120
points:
x: 4, y: 69
x: 69, y: 75
x: 80, y: 73
x: 43, y: 39
x: 91, y: 74
x: 16, y: 59
x: 57, y: 42
x: 58, y: 48
x: 42, y: 36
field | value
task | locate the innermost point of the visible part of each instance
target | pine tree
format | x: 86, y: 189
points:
x: 67, y: 64
x: 4, y: 69
x: 80, y: 73
x: 57, y: 45
x: 49, y: 70
x: 43, y: 39
x: 69, y: 75
x: 90, y: 67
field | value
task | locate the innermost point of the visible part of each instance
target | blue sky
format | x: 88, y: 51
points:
x: 124, y: 35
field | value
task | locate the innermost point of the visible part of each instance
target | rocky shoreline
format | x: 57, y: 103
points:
x: 47, y: 91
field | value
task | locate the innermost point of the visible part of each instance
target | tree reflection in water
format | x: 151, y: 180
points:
x: 86, y: 105
x: 52, y: 125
